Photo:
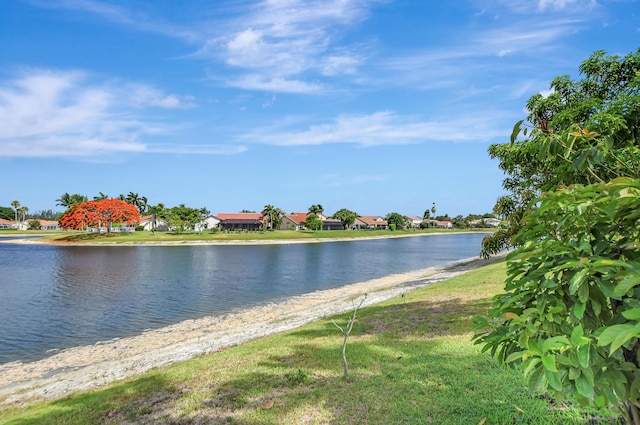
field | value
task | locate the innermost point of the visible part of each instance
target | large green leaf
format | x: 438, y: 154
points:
x: 584, y: 388
x: 617, y: 335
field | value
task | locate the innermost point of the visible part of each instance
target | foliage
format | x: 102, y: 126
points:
x: 316, y: 209
x: 347, y: 217
x: 181, y: 218
x: 99, y: 214
x: 559, y: 150
x: 313, y: 222
x: 570, y: 317
x: 396, y: 218
x: 274, y: 216
x: 6, y: 213
x: 33, y: 224
x: 140, y: 202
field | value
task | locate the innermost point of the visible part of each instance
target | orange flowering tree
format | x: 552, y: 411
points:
x: 99, y: 214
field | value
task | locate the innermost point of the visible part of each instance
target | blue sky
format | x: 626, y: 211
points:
x: 372, y: 105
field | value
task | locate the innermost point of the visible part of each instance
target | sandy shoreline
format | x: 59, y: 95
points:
x: 91, y: 366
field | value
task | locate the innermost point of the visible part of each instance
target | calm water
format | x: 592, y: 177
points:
x: 58, y: 297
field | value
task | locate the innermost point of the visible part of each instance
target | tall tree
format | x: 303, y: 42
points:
x: 155, y: 211
x: 16, y: 205
x: 69, y: 201
x: 23, y: 210
x: 570, y: 314
x: 346, y: 217
x: 276, y: 217
x: 101, y: 196
x: 267, y: 212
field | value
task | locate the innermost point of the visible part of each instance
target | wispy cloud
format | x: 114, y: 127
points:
x: 380, y: 128
x: 46, y: 113
x: 120, y: 15
x: 280, y: 43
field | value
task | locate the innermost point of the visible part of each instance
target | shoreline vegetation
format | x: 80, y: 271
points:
x: 214, y: 238
x: 281, y: 363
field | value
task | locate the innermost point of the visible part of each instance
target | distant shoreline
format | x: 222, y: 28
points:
x: 37, y: 240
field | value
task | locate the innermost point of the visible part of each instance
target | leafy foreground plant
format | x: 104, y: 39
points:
x: 411, y: 362
x: 570, y: 317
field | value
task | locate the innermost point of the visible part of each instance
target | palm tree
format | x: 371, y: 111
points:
x: 16, y: 205
x: 433, y: 210
x: 23, y: 210
x: 267, y: 212
x: 69, y: 201
x: 155, y: 210
x: 140, y: 202
x: 101, y: 197
x: 276, y: 217
x: 64, y: 200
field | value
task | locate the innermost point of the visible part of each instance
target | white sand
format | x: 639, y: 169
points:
x: 85, y: 367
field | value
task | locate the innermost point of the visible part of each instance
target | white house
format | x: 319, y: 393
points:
x: 147, y: 223
x: 413, y: 221
x: 210, y: 222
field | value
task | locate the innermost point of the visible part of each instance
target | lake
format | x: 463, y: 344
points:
x: 56, y: 297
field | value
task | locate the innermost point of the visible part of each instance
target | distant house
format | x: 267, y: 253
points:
x: 293, y: 221
x: 240, y: 221
x: 7, y: 224
x: 370, y: 222
x: 210, y: 222
x: 146, y: 222
x: 485, y: 222
x: 49, y: 225
x: 442, y: 224
x: 413, y: 221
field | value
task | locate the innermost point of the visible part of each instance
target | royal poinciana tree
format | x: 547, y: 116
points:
x: 570, y: 314
x: 102, y: 213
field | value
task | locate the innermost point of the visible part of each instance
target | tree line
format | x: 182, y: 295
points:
x: 184, y: 218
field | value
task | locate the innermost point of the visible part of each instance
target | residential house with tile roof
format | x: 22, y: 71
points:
x: 370, y: 222
x: 293, y: 221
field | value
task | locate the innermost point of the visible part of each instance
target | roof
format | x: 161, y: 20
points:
x: 239, y: 216
x: 3, y: 221
x: 373, y: 220
x: 413, y: 217
x: 297, y: 217
x: 48, y: 222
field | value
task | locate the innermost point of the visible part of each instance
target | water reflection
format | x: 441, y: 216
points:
x: 57, y: 297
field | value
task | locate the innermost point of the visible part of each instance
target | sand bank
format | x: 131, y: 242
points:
x: 85, y: 367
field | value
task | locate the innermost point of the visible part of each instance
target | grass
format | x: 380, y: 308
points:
x: 141, y: 237
x: 410, y: 360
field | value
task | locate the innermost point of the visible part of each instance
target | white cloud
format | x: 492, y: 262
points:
x: 380, y: 128
x: 47, y: 113
x: 281, y: 40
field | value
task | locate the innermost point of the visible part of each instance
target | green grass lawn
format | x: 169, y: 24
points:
x: 141, y: 237
x: 411, y: 361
